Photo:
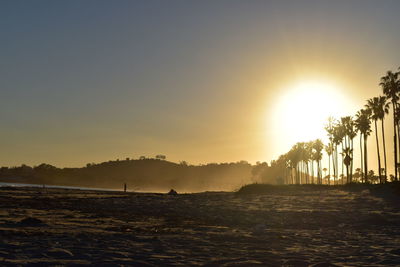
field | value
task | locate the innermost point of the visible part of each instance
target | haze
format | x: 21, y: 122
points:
x: 89, y: 81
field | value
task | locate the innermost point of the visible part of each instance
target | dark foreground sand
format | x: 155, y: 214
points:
x: 299, y: 228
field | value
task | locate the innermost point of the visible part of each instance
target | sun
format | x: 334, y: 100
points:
x: 303, y: 109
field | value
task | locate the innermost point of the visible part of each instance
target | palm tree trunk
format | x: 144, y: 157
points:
x: 342, y: 166
x: 320, y: 171
x: 299, y: 177
x: 298, y: 173
x: 384, y: 150
x: 333, y: 163
x: 286, y: 175
x: 329, y: 164
x: 301, y: 172
x: 395, y: 140
x: 398, y: 149
x: 377, y: 149
x: 337, y: 165
x: 398, y: 145
x: 365, y: 159
x: 352, y: 159
x: 293, y: 174
x: 312, y: 172
x: 361, y: 159
x: 347, y: 166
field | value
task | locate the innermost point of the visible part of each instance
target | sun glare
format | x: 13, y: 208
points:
x: 302, y: 111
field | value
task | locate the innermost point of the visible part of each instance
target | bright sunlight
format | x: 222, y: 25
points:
x: 302, y: 111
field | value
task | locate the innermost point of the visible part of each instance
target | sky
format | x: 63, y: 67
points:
x: 200, y: 81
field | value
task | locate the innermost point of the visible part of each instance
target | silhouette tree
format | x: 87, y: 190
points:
x: 352, y: 133
x: 339, y: 135
x: 378, y: 108
x: 291, y: 165
x: 357, y: 122
x: 371, y: 176
x: 342, y: 133
x: 161, y: 157
x: 311, y: 154
x: 337, y: 140
x: 357, y: 175
x: 383, y: 110
x: 318, y: 146
x: 294, y: 157
x: 396, y: 117
x: 329, y: 151
x: 306, y: 156
x: 390, y: 84
x: 304, y: 160
x: 372, y: 106
x: 349, y: 134
x: 363, y: 125
x: 333, y: 148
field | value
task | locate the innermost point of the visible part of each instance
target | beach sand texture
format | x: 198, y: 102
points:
x: 298, y: 228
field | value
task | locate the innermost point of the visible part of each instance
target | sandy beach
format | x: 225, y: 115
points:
x: 297, y: 228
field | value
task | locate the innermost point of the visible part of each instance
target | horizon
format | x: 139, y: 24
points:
x: 201, y: 82
x: 182, y: 162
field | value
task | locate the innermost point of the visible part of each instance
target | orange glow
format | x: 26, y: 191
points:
x: 303, y: 109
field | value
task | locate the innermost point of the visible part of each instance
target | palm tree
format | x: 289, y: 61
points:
x: 358, y: 126
x: 329, y: 151
x: 347, y: 152
x: 330, y: 129
x: 396, y: 117
x: 391, y: 87
x: 318, y: 146
x: 292, y: 165
x: 349, y: 134
x: 281, y: 165
x: 289, y: 167
x: 300, y: 149
x: 378, y: 107
x: 371, y: 106
x: 295, y: 157
x: 304, y: 160
x: 310, y: 153
x: 308, y: 159
x: 363, y: 124
x: 339, y: 138
x: 383, y: 110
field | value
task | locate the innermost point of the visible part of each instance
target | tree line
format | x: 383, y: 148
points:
x: 302, y: 163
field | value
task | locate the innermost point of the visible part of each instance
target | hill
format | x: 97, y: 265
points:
x: 145, y: 175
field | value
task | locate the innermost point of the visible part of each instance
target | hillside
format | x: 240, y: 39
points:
x: 144, y: 175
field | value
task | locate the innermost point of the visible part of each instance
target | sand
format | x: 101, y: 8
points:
x: 300, y: 228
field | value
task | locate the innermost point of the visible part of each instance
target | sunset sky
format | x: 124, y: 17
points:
x: 201, y: 81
